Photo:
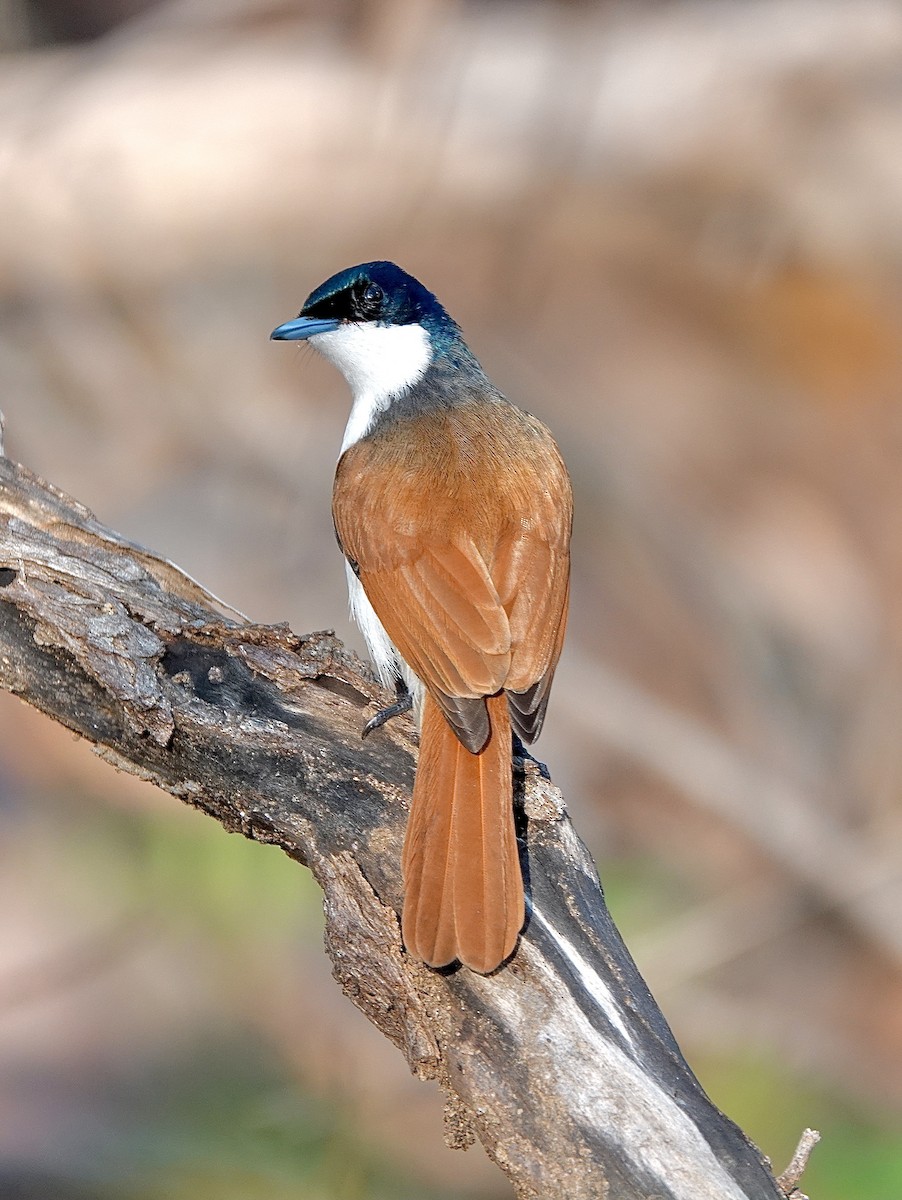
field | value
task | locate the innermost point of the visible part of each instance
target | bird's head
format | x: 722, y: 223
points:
x: 380, y: 327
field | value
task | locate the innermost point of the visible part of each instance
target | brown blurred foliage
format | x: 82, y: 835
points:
x: 670, y: 230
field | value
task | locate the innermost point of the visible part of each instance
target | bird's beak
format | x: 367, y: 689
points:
x: 302, y: 328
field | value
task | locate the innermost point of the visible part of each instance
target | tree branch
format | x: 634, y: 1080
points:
x: 788, y: 1181
x: 561, y: 1063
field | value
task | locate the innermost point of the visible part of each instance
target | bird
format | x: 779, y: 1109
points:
x: 453, y: 509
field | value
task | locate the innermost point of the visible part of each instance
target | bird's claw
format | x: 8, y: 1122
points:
x: 403, y: 704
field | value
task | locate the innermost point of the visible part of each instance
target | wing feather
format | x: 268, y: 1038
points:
x: 462, y: 551
x: 527, y: 707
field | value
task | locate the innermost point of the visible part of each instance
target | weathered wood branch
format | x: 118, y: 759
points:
x: 561, y: 1063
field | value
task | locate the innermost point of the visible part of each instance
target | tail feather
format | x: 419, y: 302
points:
x: 463, y: 885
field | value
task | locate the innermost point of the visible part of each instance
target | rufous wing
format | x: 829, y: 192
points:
x: 463, y: 553
x: 532, y: 574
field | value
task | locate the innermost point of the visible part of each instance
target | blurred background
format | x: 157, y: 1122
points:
x: 674, y: 232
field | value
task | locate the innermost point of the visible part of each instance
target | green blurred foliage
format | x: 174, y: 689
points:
x: 230, y: 1132
x: 860, y: 1155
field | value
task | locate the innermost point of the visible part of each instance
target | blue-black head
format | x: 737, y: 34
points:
x: 377, y: 293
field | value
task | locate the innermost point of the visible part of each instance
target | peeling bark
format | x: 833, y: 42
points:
x: 561, y: 1062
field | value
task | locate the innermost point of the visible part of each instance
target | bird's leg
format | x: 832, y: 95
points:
x: 403, y: 704
x: 522, y: 757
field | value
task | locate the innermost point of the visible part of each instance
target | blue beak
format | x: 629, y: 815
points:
x: 302, y: 328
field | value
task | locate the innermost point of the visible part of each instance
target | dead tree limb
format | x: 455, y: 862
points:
x: 561, y: 1063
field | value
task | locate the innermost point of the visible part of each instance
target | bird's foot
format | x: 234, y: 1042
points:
x: 403, y: 704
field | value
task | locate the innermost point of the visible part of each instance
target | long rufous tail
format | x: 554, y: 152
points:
x: 463, y: 895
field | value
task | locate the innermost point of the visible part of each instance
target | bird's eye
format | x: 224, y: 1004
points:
x: 366, y: 301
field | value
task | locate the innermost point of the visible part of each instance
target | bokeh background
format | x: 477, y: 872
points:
x: 674, y: 232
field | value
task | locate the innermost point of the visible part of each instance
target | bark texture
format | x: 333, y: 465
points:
x: 561, y: 1063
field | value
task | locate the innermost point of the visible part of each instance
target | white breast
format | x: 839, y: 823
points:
x: 385, y: 657
x: 378, y: 361
x: 388, y: 662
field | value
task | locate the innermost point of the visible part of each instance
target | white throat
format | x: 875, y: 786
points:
x: 378, y: 361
